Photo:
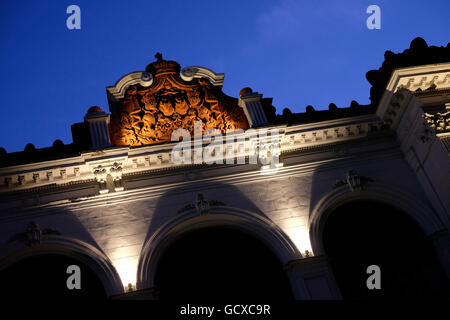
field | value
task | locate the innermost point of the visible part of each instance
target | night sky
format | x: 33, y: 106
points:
x: 298, y: 52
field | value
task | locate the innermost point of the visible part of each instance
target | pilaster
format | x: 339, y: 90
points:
x: 312, y: 279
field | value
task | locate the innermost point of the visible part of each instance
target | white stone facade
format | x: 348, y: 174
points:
x: 117, y: 205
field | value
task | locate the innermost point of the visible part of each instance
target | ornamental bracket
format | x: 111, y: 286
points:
x: 202, y: 205
x: 353, y: 180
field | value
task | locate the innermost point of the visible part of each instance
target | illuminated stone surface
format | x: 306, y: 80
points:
x: 150, y: 115
x: 122, y: 205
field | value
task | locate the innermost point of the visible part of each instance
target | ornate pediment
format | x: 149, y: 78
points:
x: 149, y: 114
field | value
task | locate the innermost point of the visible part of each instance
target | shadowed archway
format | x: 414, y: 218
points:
x: 358, y: 234
x: 44, y: 277
x: 220, y: 264
x: 44, y: 264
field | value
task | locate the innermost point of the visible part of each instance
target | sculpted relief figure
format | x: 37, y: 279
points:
x: 194, y: 98
x: 165, y: 106
x: 181, y: 105
x: 149, y: 101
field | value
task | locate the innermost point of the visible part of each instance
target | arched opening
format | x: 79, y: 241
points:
x: 363, y: 233
x: 44, y: 277
x: 220, y: 264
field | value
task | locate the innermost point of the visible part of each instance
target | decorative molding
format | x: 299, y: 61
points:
x: 116, y: 173
x: 191, y: 72
x: 426, y: 82
x: 267, y: 150
x: 440, y: 122
x: 101, y: 174
x: 321, y: 136
x: 117, y: 91
x: 426, y: 132
x: 148, y: 190
x: 301, y: 136
x: 415, y: 79
x: 397, y: 106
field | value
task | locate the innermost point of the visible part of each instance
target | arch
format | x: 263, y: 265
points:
x: 419, y: 211
x: 258, y: 226
x: 95, y: 259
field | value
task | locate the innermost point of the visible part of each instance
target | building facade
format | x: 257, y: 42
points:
x: 323, y: 195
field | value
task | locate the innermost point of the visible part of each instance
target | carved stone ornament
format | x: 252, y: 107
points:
x: 353, y: 180
x: 100, y: 173
x: 266, y: 150
x: 201, y: 204
x: 148, y: 115
x: 33, y: 234
x: 116, y: 171
x: 438, y: 121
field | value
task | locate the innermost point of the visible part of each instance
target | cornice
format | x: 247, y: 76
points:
x: 144, y: 193
x: 96, y: 165
x: 434, y: 92
x: 416, y: 79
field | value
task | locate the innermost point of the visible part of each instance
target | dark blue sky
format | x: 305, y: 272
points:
x: 298, y: 52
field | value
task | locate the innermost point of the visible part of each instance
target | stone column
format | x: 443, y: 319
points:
x: 251, y: 103
x: 312, y: 279
x: 98, y: 126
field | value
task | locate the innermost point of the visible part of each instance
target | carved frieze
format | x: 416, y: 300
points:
x: 148, y: 115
